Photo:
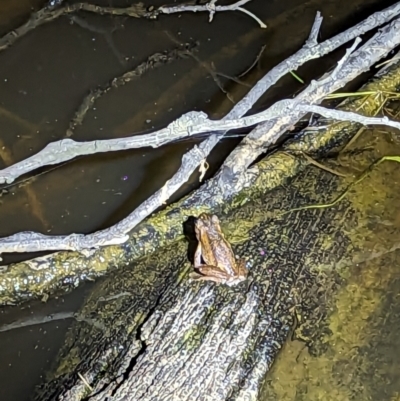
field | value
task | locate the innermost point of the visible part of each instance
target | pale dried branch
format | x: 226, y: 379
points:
x: 31, y: 241
x: 257, y: 141
x: 189, y: 124
x: 308, y: 52
x: 67, y: 149
x: 54, y: 11
x: 312, y: 40
x: 191, y: 160
x: 211, y: 8
x: 117, y: 234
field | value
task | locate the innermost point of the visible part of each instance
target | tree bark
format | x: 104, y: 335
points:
x: 149, y: 333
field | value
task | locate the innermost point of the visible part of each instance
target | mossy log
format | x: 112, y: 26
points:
x: 149, y: 333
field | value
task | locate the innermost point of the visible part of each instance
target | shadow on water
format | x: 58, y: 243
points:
x: 45, y: 75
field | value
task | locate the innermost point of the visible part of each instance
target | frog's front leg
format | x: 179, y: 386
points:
x: 197, y: 256
x: 240, y: 268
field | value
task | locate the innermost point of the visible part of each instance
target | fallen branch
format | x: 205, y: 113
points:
x: 210, y: 7
x: 53, y: 11
x: 262, y: 136
x: 192, y: 123
x: 189, y: 124
x: 311, y: 50
x: 152, y: 62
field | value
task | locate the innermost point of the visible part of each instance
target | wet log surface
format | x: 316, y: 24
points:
x: 148, y: 333
x: 65, y: 270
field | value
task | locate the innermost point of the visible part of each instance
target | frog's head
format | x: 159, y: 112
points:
x: 207, y: 222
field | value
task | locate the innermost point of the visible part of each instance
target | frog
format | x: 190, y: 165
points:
x: 220, y: 264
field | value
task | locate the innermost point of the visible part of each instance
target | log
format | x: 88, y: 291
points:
x: 147, y: 332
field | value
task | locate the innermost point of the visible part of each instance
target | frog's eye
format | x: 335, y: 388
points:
x: 215, y: 219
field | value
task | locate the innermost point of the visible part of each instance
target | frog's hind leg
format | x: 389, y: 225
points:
x: 210, y: 273
x: 197, y: 256
x: 199, y: 277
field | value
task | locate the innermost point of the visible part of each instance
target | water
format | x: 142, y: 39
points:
x: 43, y: 78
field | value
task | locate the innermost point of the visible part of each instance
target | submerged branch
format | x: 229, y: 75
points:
x: 36, y: 320
x: 53, y: 11
x: 50, y: 13
x: 196, y: 122
x: 152, y: 62
x: 211, y: 8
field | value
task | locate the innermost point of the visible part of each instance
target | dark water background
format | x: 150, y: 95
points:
x: 45, y: 75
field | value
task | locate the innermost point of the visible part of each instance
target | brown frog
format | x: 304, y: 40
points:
x: 215, y: 251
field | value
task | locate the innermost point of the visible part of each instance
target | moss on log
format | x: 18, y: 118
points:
x: 148, y: 333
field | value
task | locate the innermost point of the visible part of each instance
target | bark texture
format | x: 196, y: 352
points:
x: 148, y: 333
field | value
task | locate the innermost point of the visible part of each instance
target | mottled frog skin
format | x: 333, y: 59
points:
x: 214, y: 258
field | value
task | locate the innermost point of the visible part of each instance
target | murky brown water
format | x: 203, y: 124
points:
x: 43, y: 78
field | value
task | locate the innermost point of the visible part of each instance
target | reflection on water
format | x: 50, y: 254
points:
x: 43, y: 78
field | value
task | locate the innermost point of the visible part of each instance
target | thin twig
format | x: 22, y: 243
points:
x: 353, y: 139
x: 35, y: 320
x: 250, y: 14
x: 310, y: 160
x: 193, y: 158
x: 257, y: 59
x: 214, y: 76
x: 238, y: 81
x: 211, y: 8
x: 100, y: 31
x: 85, y: 382
x: 361, y: 177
